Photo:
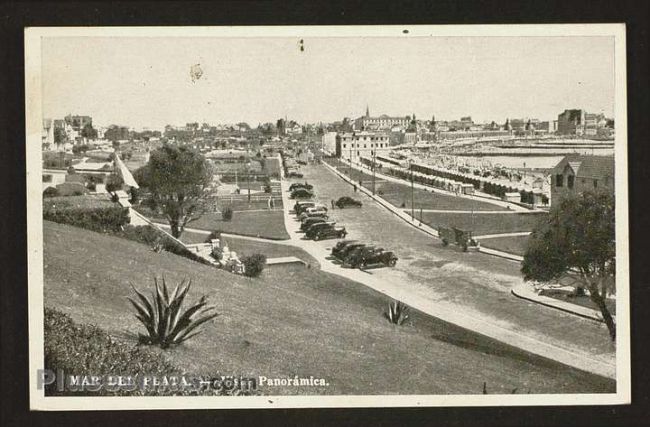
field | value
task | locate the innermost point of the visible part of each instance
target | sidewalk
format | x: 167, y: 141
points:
x: 526, y: 292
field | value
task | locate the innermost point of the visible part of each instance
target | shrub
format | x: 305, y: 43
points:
x: 109, y: 219
x: 226, y: 214
x: 216, y: 234
x: 82, y: 349
x: 114, y: 183
x: 254, y: 264
x: 163, y: 316
x: 51, y: 192
x: 217, y: 253
x: 397, y: 312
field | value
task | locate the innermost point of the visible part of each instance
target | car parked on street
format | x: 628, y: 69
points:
x: 371, y: 255
x: 308, y: 222
x: 343, y: 253
x: 315, y: 211
x: 340, y: 246
x: 346, y: 201
x: 301, y: 193
x: 309, y: 232
x: 297, y: 185
x: 329, y: 232
x: 300, y: 205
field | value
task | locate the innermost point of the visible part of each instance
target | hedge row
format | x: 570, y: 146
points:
x: 103, y: 220
x: 79, y: 349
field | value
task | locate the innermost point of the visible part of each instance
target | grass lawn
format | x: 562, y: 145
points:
x: 238, y: 205
x: 513, y: 244
x: 268, y: 224
x: 399, y: 194
x: 483, y: 223
x: 292, y: 321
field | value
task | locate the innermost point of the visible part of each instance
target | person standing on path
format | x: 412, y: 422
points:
x: 332, y: 203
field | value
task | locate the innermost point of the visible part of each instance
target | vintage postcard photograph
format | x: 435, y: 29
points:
x: 344, y: 216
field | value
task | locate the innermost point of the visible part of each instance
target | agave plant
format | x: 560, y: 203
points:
x: 163, y: 316
x: 397, y: 312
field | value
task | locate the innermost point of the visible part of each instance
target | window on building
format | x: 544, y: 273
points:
x: 569, y: 181
x: 343, y: 145
x: 595, y: 183
x: 559, y: 180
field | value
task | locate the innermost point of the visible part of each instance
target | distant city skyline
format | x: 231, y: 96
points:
x: 147, y: 82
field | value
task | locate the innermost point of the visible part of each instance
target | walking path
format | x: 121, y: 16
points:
x: 228, y: 235
x: 526, y: 292
x: 515, y: 234
x: 420, y: 299
x: 477, y: 212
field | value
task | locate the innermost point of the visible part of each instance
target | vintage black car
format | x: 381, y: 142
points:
x: 297, y: 185
x: 329, y: 232
x: 343, y: 253
x: 309, y: 232
x: 301, y: 205
x: 301, y: 193
x: 294, y: 175
x: 346, y: 201
x: 308, y: 222
x: 340, y: 246
x: 370, y: 255
x: 312, y: 212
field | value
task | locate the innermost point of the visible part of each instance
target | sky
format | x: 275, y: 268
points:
x: 145, y: 82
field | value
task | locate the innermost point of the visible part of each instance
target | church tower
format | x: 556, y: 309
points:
x: 367, y: 111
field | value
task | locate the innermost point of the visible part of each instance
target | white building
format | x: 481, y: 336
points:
x: 328, y: 141
x: 361, y: 144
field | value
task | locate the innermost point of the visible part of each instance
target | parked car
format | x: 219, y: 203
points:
x: 308, y: 222
x: 348, y: 249
x: 301, y: 193
x: 379, y: 257
x: 353, y: 256
x: 346, y: 201
x: 309, y: 232
x: 297, y: 185
x: 300, y: 205
x: 295, y: 175
x: 340, y: 246
x: 329, y: 232
x: 313, y: 210
x: 306, y: 215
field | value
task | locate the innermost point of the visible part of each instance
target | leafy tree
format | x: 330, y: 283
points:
x: 60, y: 137
x: 578, y: 239
x: 177, y: 178
x: 114, y: 182
x: 89, y: 132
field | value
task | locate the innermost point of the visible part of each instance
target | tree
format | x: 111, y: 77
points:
x: 114, y: 183
x: 89, y: 132
x: 60, y: 137
x: 177, y: 178
x: 578, y: 239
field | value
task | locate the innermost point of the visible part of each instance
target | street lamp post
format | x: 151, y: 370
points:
x: 248, y: 180
x: 374, y: 166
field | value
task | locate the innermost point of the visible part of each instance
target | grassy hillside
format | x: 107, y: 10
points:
x: 292, y: 321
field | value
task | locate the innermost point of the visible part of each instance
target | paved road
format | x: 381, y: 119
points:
x: 471, y: 287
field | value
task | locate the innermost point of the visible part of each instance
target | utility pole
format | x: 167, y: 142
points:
x: 374, y: 166
x: 248, y: 181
